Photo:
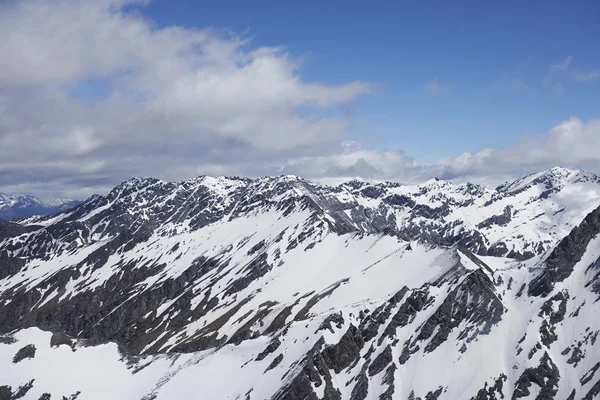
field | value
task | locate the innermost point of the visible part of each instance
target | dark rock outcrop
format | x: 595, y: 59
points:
x: 560, y: 263
x: 24, y: 353
x: 546, y: 376
x: 473, y: 301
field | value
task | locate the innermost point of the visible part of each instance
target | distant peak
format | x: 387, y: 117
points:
x: 139, y: 180
x: 553, y: 177
x: 560, y: 171
x: 131, y: 184
x: 435, y: 182
x: 219, y: 183
x: 286, y: 178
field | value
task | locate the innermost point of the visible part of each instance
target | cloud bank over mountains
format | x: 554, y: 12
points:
x: 93, y: 93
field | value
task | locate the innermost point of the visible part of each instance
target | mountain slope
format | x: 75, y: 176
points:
x: 277, y: 288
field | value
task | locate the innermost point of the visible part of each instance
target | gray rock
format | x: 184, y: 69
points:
x: 24, y: 353
x: 560, y: 263
x: 546, y: 376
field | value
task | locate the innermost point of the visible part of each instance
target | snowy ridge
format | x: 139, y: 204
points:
x: 555, y: 178
x: 277, y: 288
x: 518, y: 220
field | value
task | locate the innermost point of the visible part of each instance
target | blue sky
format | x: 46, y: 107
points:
x: 95, y: 92
x: 493, y: 62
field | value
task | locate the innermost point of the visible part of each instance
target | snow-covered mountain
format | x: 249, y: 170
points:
x: 17, y: 206
x: 278, y: 288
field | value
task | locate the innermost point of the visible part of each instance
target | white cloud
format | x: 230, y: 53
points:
x: 562, y: 65
x: 436, y: 87
x: 587, y: 76
x: 580, y: 76
x: 184, y: 102
x: 571, y: 143
x: 511, y: 83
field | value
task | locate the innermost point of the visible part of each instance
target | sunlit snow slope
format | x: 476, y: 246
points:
x: 276, y: 288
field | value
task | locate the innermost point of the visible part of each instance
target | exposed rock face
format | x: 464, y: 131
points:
x: 473, y: 305
x: 546, y: 376
x: 559, y: 265
x: 6, y: 392
x: 24, y: 353
x: 501, y: 219
x: 345, y: 352
x: 381, y: 361
x: 493, y: 392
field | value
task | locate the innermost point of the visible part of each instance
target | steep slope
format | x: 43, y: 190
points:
x: 12, y: 206
x: 277, y: 288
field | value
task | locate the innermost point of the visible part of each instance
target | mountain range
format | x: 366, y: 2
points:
x: 280, y: 288
x: 21, y: 206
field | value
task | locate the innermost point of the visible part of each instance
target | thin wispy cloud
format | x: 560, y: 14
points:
x: 436, y: 87
x: 561, y: 65
x: 553, y: 80
x: 516, y: 84
x: 587, y: 76
x: 577, y: 75
x: 552, y: 84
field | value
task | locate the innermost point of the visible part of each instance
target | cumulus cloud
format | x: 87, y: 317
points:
x: 180, y: 102
x: 572, y: 143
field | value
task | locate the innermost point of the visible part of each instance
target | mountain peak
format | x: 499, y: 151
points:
x: 435, y: 183
x: 135, y: 183
x: 553, y: 178
x: 561, y: 171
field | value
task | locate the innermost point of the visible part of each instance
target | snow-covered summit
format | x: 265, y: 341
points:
x: 553, y: 179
